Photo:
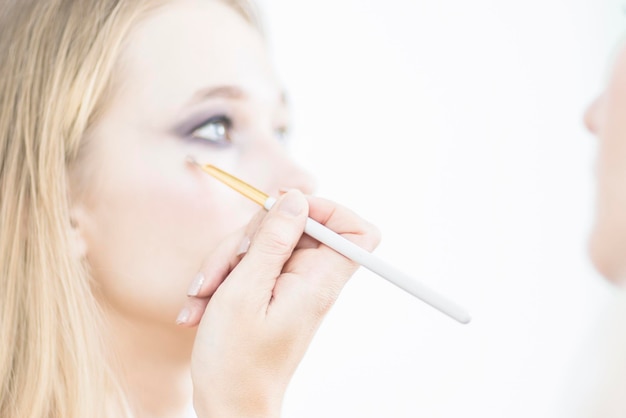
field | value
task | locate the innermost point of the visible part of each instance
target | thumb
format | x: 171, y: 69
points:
x: 271, y: 247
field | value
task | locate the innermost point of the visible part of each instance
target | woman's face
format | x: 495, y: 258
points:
x: 606, y: 118
x: 195, y: 80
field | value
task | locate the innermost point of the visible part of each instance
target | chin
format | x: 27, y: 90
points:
x: 186, y: 335
x: 608, y: 258
x: 183, y: 342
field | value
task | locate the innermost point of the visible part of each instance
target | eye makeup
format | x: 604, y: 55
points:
x: 197, y: 119
x: 217, y: 126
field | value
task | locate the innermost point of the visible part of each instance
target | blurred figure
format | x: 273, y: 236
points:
x: 605, y: 379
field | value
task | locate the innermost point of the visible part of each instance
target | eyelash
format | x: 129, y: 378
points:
x: 282, y: 133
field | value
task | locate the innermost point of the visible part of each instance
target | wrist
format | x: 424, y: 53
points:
x: 248, y: 406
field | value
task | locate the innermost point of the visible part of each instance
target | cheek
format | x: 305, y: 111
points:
x: 150, y: 233
x: 608, y: 238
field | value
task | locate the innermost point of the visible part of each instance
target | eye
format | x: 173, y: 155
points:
x: 282, y: 134
x: 216, y: 130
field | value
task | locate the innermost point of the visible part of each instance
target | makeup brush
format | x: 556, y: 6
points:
x: 346, y: 248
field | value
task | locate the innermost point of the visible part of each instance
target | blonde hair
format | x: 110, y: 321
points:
x: 58, y: 58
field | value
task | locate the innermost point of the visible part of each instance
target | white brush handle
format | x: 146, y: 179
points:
x: 383, y: 269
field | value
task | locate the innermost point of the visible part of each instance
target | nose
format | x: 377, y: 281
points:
x: 292, y: 176
x: 592, y: 115
x: 279, y: 171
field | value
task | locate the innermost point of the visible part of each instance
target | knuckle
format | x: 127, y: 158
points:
x: 229, y: 305
x: 326, y: 298
x: 278, y: 236
x: 371, y: 236
x: 274, y: 242
x: 197, y: 304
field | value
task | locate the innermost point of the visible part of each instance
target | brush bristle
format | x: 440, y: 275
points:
x: 191, y: 160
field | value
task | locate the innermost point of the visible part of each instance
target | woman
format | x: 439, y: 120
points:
x: 124, y: 267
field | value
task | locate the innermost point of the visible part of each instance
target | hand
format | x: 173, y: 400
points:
x: 255, y: 327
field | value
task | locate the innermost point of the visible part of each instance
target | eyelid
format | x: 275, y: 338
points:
x: 195, y: 119
x: 212, y: 119
x: 231, y: 118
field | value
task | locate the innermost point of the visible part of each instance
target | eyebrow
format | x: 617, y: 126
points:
x: 227, y: 92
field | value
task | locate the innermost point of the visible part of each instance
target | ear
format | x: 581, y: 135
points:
x: 78, y: 221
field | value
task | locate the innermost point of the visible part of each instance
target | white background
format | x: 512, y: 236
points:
x: 456, y: 127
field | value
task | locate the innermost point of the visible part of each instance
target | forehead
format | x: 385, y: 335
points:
x: 617, y: 74
x: 189, y: 45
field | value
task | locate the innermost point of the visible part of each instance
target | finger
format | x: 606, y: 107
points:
x: 347, y: 224
x: 271, y: 247
x: 191, y: 313
x: 223, y: 259
x: 344, y: 222
x: 326, y: 271
x: 214, y: 270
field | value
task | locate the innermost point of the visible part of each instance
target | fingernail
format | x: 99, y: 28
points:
x: 183, y: 316
x: 196, y: 285
x: 243, y: 246
x: 291, y: 204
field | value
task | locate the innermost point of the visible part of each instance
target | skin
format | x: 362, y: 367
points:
x: 149, y: 221
x: 605, y: 119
